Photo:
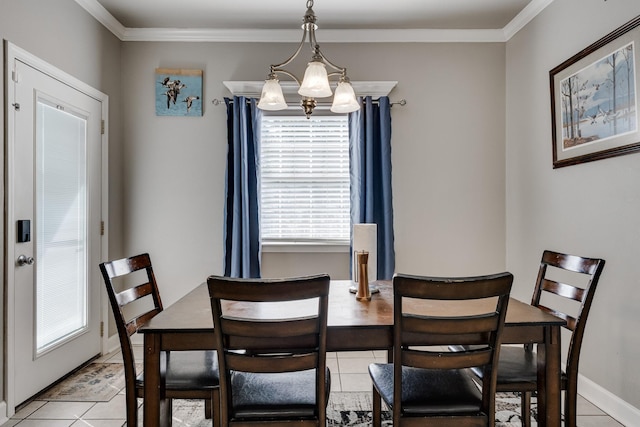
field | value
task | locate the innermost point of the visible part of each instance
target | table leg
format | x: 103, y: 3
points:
x: 549, y: 393
x: 156, y: 409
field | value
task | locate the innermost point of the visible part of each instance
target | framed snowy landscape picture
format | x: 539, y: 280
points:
x: 178, y: 92
x: 594, y: 99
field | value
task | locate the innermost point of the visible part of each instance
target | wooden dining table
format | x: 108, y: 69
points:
x: 351, y: 326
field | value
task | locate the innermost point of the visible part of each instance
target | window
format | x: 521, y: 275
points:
x: 304, y: 179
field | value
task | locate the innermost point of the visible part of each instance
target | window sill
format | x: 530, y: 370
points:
x: 306, y: 247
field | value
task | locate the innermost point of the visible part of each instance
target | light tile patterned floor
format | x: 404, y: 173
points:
x: 348, y: 369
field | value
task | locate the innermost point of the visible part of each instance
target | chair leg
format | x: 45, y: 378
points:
x: 215, y: 399
x: 168, y: 409
x: 570, y: 404
x: 132, y: 409
x: 377, y: 408
x: 525, y: 397
x: 208, y: 414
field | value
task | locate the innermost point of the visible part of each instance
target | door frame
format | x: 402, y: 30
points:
x: 13, y: 54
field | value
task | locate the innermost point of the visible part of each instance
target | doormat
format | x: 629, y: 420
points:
x: 96, y: 382
x: 353, y: 409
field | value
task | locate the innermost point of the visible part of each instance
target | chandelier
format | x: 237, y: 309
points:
x: 315, y: 83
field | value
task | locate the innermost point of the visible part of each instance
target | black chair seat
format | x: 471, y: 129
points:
x: 428, y: 391
x: 516, y: 365
x: 276, y: 395
x: 188, y: 370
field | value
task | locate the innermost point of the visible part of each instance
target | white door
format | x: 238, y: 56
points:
x: 54, y: 214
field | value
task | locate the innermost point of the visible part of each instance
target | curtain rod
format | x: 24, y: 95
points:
x: 402, y: 103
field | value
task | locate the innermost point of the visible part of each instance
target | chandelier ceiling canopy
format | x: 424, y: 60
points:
x: 315, y: 83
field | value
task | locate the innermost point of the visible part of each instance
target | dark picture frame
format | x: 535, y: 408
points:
x: 594, y: 99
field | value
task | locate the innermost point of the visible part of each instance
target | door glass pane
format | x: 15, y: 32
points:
x: 61, y: 226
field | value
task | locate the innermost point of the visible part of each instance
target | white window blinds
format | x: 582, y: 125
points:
x: 304, y: 179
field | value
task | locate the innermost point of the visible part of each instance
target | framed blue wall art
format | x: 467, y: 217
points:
x: 178, y: 92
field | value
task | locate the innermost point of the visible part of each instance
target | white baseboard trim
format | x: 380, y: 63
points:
x: 113, y: 342
x: 617, y: 408
x: 4, y: 417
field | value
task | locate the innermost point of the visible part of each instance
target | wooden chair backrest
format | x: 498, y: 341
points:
x: 119, y: 301
x: 290, y: 341
x: 588, y: 268
x: 421, y: 340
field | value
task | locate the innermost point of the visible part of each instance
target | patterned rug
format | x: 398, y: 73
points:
x: 97, y: 382
x: 354, y: 410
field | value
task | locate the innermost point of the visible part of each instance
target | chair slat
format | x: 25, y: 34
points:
x: 571, y: 321
x: 564, y: 290
x: 270, y: 328
x: 444, y: 325
x: 134, y: 293
x: 271, y: 364
x: 446, y: 360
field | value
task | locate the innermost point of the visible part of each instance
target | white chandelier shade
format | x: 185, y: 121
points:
x: 272, y: 98
x: 344, y: 100
x: 315, y: 83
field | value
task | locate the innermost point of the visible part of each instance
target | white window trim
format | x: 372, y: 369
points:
x: 305, y: 247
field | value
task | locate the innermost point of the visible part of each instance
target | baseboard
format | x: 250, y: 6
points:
x: 4, y: 417
x: 113, y: 342
x: 617, y: 408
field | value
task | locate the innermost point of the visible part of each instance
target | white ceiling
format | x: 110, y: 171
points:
x: 342, y: 20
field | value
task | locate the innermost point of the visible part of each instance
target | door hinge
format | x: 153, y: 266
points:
x: 102, y: 127
x: 15, y: 76
x: 102, y: 228
x: 101, y: 329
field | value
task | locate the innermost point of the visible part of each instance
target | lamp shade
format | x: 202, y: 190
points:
x: 315, y: 83
x: 344, y: 100
x: 272, y: 98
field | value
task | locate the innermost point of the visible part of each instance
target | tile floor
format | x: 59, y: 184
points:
x: 349, y: 373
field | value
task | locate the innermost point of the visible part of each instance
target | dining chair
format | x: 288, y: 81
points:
x: 428, y: 385
x: 272, y: 352
x: 517, y: 364
x: 135, y: 300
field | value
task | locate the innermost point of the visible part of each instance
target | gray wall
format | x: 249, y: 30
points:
x: 589, y: 209
x: 451, y: 198
x: 447, y: 157
x: 65, y: 35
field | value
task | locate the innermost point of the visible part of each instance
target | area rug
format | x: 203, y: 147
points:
x: 96, y: 382
x: 354, y: 410
x: 99, y: 382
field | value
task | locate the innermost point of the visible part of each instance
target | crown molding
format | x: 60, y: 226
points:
x: 103, y: 16
x: 524, y: 17
x: 123, y: 33
x: 253, y: 89
x: 328, y: 36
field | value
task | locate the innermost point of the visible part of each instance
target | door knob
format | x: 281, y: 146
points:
x: 24, y: 260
